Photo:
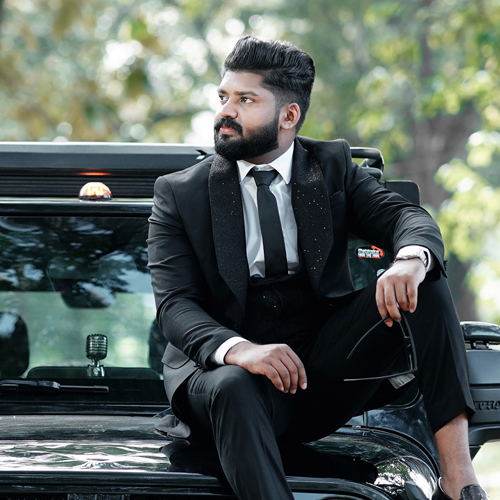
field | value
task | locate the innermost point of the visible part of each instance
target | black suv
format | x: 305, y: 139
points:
x: 81, y: 390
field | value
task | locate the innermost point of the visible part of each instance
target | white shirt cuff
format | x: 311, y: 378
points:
x: 219, y: 354
x: 411, y: 249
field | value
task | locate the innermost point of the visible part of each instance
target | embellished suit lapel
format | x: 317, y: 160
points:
x: 312, y: 212
x: 228, y: 226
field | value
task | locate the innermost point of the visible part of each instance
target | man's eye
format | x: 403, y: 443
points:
x: 246, y: 99
x: 222, y: 98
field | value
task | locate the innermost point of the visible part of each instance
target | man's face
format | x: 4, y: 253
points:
x: 247, y: 123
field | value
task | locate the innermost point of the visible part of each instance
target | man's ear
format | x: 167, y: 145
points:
x: 290, y: 115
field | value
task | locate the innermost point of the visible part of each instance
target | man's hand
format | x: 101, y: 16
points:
x: 397, y: 289
x: 277, y: 362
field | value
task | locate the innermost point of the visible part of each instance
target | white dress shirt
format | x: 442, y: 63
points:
x: 282, y: 190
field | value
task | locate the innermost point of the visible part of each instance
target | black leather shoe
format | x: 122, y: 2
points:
x: 471, y: 492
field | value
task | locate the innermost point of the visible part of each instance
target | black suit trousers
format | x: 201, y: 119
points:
x: 248, y: 416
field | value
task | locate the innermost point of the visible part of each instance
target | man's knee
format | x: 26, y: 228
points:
x: 237, y: 386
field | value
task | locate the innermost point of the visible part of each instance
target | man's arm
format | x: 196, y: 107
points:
x: 178, y: 283
x: 408, y: 228
x: 390, y: 221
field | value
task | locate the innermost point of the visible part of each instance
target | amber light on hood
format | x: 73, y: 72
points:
x: 96, y: 191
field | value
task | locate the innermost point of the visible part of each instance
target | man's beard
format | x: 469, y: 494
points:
x: 258, y: 143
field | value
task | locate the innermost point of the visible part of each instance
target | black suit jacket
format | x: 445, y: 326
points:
x: 197, y: 250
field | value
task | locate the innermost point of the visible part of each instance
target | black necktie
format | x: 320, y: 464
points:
x: 270, y: 225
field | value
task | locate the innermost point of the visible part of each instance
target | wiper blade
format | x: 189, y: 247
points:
x: 50, y: 386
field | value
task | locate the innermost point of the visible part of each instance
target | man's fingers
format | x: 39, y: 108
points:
x: 401, y: 296
x: 296, y: 371
x: 278, y: 362
x: 392, y: 305
x: 301, y: 371
x: 412, y: 294
x: 380, y: 299
x: 288, y: 374
x: 291, y: 372
x: 387, y: 303
x: 406, y: 296
x: 397, y: 289
x: 302, y: 377
x: 274, y: 376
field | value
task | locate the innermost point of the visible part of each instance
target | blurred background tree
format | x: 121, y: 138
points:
x: 418, y: 79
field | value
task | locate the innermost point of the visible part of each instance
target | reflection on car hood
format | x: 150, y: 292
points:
x: 126, y: 450
x: 37, y: 455
x: 63, y: 442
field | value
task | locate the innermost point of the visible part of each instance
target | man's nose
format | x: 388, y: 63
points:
x: 229, y: 109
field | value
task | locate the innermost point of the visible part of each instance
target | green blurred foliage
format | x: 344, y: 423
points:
x: 400, y: 76
x: 470, y: 222
x: 106, y: 65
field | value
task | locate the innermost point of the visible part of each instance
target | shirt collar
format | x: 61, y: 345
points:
x: 283, y: 165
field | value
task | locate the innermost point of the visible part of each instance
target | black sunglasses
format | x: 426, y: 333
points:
x: 408, y: 343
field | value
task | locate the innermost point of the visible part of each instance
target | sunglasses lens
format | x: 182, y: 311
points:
x: 404, y: 364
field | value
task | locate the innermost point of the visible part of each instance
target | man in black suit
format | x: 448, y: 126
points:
x: 262, y: 322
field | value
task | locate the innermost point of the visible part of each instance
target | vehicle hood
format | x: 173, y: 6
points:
x: 126, y: 450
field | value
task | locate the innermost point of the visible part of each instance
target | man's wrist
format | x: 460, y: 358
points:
x: 416, y: 252
x: 219, y: 354
x: 417, y: 256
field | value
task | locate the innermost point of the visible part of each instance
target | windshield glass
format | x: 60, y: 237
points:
x: 65, y: 278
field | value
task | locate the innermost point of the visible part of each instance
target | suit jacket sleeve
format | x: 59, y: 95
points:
x: 178, y: 283
x: 386, y: 218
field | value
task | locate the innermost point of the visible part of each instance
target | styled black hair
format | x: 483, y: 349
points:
x: 286, y: 71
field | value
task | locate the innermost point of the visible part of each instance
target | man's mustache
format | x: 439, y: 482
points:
x: 228, y: 122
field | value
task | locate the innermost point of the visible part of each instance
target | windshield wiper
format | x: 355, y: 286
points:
x: 50, y: 386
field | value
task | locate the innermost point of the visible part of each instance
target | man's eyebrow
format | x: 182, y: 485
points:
x: 241, y: 92
x: 247, y: 92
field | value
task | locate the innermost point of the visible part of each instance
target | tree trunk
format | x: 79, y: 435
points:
x: 436, y: 141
